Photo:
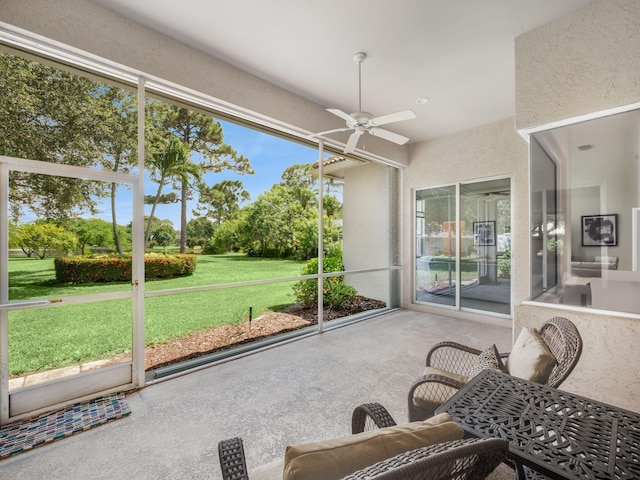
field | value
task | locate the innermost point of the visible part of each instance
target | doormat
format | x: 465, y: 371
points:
x: 23, y: 435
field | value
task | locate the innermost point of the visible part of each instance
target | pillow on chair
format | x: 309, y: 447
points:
x: 530, y: 358
x: 489, y: 358
x: 339, y: 457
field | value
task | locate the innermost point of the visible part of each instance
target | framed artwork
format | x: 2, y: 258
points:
x: 484, y: 233
x: 599, y: 230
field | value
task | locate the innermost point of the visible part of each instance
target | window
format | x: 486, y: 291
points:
x: 585, y: 180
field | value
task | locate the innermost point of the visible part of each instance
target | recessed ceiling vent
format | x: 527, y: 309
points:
x: 582, y: 148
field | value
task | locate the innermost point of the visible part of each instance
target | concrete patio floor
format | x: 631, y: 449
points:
x: 297, y: 392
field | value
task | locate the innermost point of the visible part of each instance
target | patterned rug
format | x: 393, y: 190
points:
x: 24, y: 435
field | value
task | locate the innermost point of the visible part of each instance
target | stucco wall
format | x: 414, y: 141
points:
x: 94, y: 29
x: 585, y: 62
x: 608, y: 367
x: 488, y: 151
x: 366, y: 228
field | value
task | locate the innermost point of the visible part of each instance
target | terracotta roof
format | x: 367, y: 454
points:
x: 332, y: 160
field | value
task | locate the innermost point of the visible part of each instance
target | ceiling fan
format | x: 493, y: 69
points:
x: 361, y: 122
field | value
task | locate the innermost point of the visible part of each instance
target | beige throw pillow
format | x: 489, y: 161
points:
x: 339, y: 457
x: 530, y: 358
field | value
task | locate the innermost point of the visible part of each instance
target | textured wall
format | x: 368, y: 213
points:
x: 92, y: 28
x: 586, y: 62
x: 480, y: 153
x: 608, y: 367
x: 366, y: 228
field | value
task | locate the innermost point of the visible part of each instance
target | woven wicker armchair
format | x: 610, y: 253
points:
x: 468, y: 459
x: 560, y: 335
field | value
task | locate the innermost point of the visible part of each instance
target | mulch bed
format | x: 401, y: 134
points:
x: 266, y: 325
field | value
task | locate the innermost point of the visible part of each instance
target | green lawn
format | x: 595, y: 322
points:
x: 46, y: 338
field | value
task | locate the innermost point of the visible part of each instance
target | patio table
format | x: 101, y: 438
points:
x: 550, y: 432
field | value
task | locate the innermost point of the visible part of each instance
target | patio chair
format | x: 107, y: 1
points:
x: 449, y: 365
x: 433, y: 449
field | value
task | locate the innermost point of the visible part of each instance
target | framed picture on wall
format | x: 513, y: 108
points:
x: 484, y: 233
x: 600, y: 230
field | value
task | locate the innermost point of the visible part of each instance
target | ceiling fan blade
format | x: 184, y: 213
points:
x: 352, y: 142
x: 335, y: 130
x: 392, y: 117
x: 387, y: 135
x: 345, y: 116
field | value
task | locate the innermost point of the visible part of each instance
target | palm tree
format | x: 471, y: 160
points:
x: 171, y: 161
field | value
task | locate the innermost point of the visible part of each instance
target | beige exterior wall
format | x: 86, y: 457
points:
x: 93, y: 29
x: 366, y: 228
x: 586, y: 62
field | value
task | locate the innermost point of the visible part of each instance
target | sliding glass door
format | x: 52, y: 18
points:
x: 463, y: 246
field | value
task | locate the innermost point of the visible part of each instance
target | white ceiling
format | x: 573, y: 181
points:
x: 459, y: 53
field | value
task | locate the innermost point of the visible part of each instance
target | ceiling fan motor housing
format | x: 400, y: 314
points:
x: 361, y: 118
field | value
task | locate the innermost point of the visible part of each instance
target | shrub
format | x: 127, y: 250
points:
x: 118, y: 269
x: 335, y: 291
x: 504, y: 263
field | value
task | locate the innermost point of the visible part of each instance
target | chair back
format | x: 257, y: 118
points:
x: 470, y: 459
x: 563, y: 339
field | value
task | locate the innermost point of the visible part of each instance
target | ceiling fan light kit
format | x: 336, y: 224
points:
x: 364, y: 122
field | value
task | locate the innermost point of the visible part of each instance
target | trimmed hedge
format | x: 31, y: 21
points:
x: 118, y: 269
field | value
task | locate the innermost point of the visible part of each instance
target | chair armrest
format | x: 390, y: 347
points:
x: 436, y: 389
x: 232, y: 460
x: 434, y: 379
x: 370, y: 416
x: 452, y: 357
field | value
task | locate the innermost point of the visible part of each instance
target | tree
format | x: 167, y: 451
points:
x: 202, y: 134
x: 170, y: 160
x: 199, y: 231
x: 48, y: 115
x: 118, y: 142
x: 40, y: 239
x: 284, y: 220
x: 222, y: 200
x: 270, y: 224
x: 12, y: 233
x: 163, y: 233
x: 332, y: 206
x: 299, y: 179
x: 93, y: 231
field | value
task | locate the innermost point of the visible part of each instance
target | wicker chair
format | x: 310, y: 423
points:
x: 560, y: 335
x: 469, y: 459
